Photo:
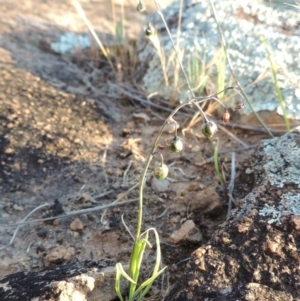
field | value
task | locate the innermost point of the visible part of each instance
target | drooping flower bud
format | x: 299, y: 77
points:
x: 209, y: 129
x: 161, y: 171
x: 239, y: 106
x: 226, y: 116
x: 176, y: 144
x: 141, y: 7
x: 150, y: 30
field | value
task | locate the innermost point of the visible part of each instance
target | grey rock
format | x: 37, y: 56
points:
x: 88, y: 280
x: 160, y: 185
x: 242, y: 23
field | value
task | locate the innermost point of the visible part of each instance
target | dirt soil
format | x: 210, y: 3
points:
x: 70, y: 139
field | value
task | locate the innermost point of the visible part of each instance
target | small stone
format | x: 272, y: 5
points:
x: 59, y: 254
x: 9, y: 151
x: 18, y: 208
x: 159, y: 185
x: 201, y: 186
x: 84, y: 198
x: 175, y: 220
x: 272, y: 247
x: 76, y: 225
x: 296, y: 222
x: 193, y: 187
x: 226, y: 240
x: 42, y: 233
x: 140, y: 118
x: 205, y: 200
x: 55, y: 222
x: 196, y: 148
x: 187, y: 232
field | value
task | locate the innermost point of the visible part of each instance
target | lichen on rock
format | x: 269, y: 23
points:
x: 283, y: 167
x: 242, y: 23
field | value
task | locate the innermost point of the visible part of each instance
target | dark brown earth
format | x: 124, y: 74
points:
x: 70, y: 139
x: 249, y: 257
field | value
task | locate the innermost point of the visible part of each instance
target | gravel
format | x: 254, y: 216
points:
x: 242, y: 23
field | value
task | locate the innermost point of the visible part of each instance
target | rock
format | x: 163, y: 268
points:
x: 200, y: 202
x: 80, y: 281
x: 242, y: 23
x: 9, y: 151
x: 76, y: 225
x: 159, y: 185
x: 140, y: 118
x: 254, y: 255
x: 58, y: 254
x: 18, y: 208
x: 187, y: 232
x: 204, y: 201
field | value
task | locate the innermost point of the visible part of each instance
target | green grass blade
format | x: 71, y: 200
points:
x: 148, y: 283
x: 121, y: 271
x: 135, y: 264
x: 145, y: 286
x: 118, y: 283
x: 221, y: 66
x: 277, y: 87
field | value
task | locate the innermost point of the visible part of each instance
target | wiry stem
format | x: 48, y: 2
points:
x: 231, y: 69
x: 178, y: 59
x: 146, y: 167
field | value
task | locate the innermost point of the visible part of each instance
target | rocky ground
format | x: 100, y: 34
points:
x: 72, y: 137
x: 254, y: 255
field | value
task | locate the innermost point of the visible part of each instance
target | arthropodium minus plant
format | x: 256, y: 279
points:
x: 208, y: 128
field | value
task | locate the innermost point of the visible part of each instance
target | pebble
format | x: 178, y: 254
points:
x: 296, y: 222
x: 58, y: 254
x: 76, y: 225
x: 18, y: 208
x: 9, y: 151
x: 159, y: 185
x: 187, y: 232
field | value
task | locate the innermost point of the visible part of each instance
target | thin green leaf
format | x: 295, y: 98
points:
x: 148, y: 283
x: 145, y: 286
x: 121, y: 271
x: 118, y: 284
x: 135, y: 264
x: 277, y: 87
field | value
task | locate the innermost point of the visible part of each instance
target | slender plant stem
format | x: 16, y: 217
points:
x: 217, y: 164
x: 179, y: 21
x: 232, y: 72
x: 231, y: 184
x: 178, y: 59
x: 91, y: 29
x: 147, y: 164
